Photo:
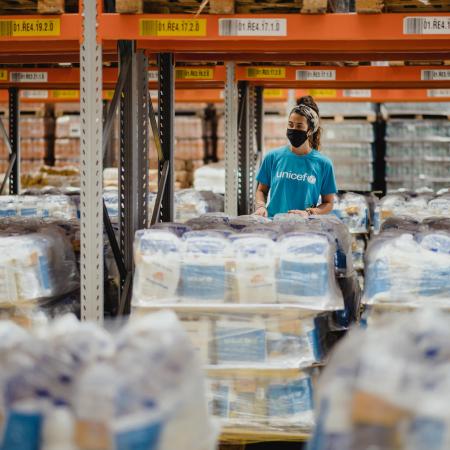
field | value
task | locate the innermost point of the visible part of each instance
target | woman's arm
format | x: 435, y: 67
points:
x: 261, y: 199
x: 325, y: 207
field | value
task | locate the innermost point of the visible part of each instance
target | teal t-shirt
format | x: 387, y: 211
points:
x: 296, y: 182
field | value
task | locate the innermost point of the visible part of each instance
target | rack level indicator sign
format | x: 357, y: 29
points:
x: 323, y: 93
x: 28, y: 77
x: 435, y: 75
x: 274, y: 93
x: 252, y: 27
x: 34, y: 94
x: 266, y: 72
x: 66, y: 94
x: 173, y: 27
x: 426, y: 25
x: 3, y: 75
x: 438, y: 93
x: 30, y: 28
x: 153, y: 75
x: 194, y: 74
x: 315, y: 75
x: 357, y: 93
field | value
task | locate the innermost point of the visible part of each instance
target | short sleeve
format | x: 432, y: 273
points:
x: 265, y: 172
x: 328, y: 181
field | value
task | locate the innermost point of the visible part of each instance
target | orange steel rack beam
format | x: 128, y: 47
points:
x: 361, y: 77
x: 214, y: 77
x: 345, y: 36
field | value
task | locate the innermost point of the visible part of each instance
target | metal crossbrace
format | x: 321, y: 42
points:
x: 107, y: 128
x: 161, y: 188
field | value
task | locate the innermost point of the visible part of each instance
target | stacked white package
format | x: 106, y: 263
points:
x: 412, y: 270
x: 41, y: 206
x: 73, y: 385
x: 257, y: 298
x: 35, y: 267
x: 409, y: 408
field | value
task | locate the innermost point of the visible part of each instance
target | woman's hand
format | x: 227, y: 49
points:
x: 299, y: 212
x: 261, y: 211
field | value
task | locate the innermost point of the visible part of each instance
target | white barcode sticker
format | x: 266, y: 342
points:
x: 252, y: 27
x: 379, y: 63
x: 153, y: 75
x: 433, y: 93
x: 40, y: 95
x: 357, y: 93
x: 75, y: 130
x: 311, y: 75
x: 426, y: 25
x: 435, y: 75
x: 28, y: 77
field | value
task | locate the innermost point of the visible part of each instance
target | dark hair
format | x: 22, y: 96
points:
x: 314, y: 139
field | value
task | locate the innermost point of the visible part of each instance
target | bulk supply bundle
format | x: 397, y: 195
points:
x: 354, y: 211
x: 189, y: 203
x: 72, y: 385
x: 387, y: 387
x: 38, y: 268
x: 408, y: 263
x: 259, y: 312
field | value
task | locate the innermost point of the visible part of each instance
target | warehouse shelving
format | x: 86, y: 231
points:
x: 92, y: 36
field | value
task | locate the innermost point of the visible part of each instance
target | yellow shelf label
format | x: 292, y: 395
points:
x: 3, y: 75
x: 30, y: 27
x: 173, y: 27
x: 66, y: 94
x: 274, y: 93
x: 108, y: 95
x: 266, y: 72
x: 323, y: 93
x: 194, y: 74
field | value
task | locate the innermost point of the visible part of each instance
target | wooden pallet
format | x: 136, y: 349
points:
x: 221, y: 6
x: 8, y: 7
x: 401, y: 6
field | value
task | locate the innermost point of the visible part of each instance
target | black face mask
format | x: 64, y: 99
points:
x: 296, y: 137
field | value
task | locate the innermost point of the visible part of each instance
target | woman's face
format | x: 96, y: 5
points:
x: 297, y: 122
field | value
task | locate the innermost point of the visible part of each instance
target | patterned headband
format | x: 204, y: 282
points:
x: 310, y: 114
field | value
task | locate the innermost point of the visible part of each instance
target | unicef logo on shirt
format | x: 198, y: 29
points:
x: 311, y: 179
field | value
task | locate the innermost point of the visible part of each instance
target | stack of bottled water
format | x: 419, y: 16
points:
x: 387, y: 387
x: 72, y: 385
x: 257, y: 298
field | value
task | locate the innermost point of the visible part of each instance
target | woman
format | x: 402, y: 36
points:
x: 295, y: 176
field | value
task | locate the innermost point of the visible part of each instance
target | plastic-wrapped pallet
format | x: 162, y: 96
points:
x: 409, y: 408
x: 268, y: 402
x: 210, y: 178
x: 353, y: 210
x: 408, y: 269
x: 35, y: 267
x: 73, y: 385
x: 215, y: 266
x: 190, y: 203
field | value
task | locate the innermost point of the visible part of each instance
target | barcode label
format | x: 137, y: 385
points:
x: 6, y: 28
x: 153, y: 75
x: 66, y: 94
x: 75, y: 130
x: 379, y: 63
x: 357, y: 93
x: 30, y: 27
x: 426, y: 25
x: 433, y: 93
x: 322, y: 93
x: 41, y: 95
x: 311, y: 75
x: 28, y: 77
x: 3, y: 75
x: 274, y: 93
x: 173, y: 27
x: 266, y: 72
x: 252, y: 27
x: 435, y: 75
x: 194, y: 74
